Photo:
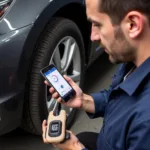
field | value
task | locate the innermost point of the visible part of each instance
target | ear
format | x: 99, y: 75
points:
x: 134, y: 24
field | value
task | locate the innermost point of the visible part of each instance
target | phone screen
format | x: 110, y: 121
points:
x: 59, y: 83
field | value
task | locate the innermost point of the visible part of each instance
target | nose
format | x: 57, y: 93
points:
x: 95, y: 35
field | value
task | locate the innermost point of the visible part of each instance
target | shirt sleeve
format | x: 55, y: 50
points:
x: 101, y: 98
x: 139, y: 136
x: 100, y: 101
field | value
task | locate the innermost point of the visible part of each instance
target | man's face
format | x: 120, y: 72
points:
x: 108, y: 35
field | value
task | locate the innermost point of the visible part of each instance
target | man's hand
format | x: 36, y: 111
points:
x: 80, y: 100
x: 70, y: 144
x: 76, y: 101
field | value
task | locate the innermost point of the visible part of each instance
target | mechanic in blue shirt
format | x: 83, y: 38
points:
x: 123, y: 28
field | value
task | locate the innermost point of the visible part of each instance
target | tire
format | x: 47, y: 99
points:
x: 36, y: 101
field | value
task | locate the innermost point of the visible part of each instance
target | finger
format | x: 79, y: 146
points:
x: 44, y: 124
x: 69, y: 80
x: 69, y: 131
x: 46, y: 83
x: 44, y: 139
x: 51, y: 90
x: 59, y: 100
x: 55, y: 95
x: 43, y: 135
x: 44, y: 127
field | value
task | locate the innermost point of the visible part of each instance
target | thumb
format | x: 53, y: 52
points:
x: 69, y: 131
x: 70, y: 81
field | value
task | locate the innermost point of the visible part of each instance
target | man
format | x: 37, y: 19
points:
x: 123, y: 27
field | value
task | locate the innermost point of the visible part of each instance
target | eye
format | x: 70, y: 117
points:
x: 96, y: 25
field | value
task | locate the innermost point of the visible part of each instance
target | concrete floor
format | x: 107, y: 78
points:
x: 98, y: 76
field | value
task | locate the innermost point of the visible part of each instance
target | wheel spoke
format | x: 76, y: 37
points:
x: 57, y: 59
x: 68, y: 54
x: 67, y: 109
x: 76, y: 76
x: 51, y: 104
x: 50, y: 101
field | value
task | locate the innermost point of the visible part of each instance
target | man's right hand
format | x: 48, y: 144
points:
x: 76, y: 101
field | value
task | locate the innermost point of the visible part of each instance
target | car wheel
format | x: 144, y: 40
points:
x: 61, y: 43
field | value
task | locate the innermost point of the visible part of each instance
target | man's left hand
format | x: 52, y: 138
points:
x: 71, y: 144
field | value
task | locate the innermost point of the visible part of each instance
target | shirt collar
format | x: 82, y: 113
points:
x: 135, y: 78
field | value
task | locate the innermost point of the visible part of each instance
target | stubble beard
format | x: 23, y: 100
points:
x: 121, y: 50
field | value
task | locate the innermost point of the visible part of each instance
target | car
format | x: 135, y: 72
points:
x: 33, y: 34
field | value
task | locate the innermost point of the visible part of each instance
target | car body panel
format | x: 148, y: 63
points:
x: 11, y: 89
x: 11, y: 46
x: 11, y: 107
x: 17, y: 18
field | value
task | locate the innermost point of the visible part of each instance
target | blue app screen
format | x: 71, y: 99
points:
x: 58, y: 81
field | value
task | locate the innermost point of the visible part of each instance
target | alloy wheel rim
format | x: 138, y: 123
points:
x: 66, y: 57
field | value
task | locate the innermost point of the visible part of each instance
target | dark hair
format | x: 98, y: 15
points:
x: 117, y: 9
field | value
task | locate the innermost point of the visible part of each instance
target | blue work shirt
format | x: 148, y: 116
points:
x: 125, y: 107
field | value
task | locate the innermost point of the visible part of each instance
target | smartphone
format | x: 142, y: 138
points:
x: 57, y: 81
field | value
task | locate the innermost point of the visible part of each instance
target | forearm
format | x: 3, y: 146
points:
x: 88, y: 104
